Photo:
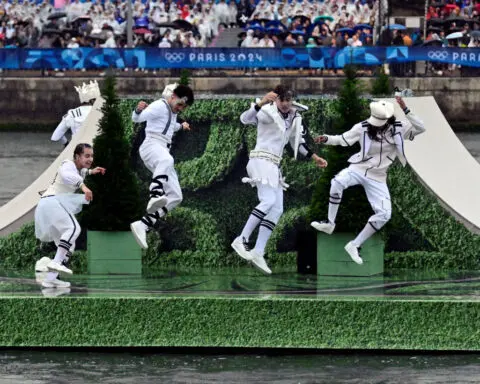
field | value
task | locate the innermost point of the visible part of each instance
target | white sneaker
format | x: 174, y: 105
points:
x: 53, y: 265
x: 352, y: 250
x: 156, y: 203
x: 138, y: 230
x: 241, y: 247
x: 323, y: 226
x: 259, y: 262
x: 41, y: 265
x: 55, y: 284
x: 54, y: 292
x: 40, y: 277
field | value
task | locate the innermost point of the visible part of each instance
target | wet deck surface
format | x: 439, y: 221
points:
x: 247, y: 282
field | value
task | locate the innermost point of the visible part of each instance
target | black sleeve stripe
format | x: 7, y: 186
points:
x: 345, y: 140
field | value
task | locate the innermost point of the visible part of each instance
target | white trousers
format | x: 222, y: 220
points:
x: 54, y: 221
x: 271, y: 202
x: 159, y: 161
x: 377, y: 193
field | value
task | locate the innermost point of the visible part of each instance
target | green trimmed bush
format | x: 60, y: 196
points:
x: 460, y: 248
x: 116, y: 201
x: 381, y: 86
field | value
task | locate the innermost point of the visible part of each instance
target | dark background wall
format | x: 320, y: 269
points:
x: 45, y: 100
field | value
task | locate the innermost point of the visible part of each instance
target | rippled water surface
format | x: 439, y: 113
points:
x: 39, y: 367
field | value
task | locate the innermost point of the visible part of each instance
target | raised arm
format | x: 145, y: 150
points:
x: 413, y: 125
x: 251, y: 115
x: 145, y: 112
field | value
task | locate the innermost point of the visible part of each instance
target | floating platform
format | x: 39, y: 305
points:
x: 401, y: 310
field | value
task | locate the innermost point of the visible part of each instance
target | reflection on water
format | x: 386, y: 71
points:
x: 86, y: 367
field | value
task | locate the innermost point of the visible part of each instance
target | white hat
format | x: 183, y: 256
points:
x: 168, y: 91
x: 88, y: 92
x: 390, y: 108
x: 380, y: 112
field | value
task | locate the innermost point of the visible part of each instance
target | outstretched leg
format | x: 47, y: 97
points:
x: 379, y: 198
x: 344, y: 179
x: 267, y: 225
x: 165, y: 191
x: 65, y: 247
x: 266, y: 196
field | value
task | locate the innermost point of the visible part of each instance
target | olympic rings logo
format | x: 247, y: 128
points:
x: 439, y: 55
x: 174, y: 57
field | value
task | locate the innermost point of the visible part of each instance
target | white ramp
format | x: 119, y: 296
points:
x: 20, y: 210
x: 443, y: 164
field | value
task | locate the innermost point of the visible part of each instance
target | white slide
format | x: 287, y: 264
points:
x: 20, y: 210
x: 442, y: 163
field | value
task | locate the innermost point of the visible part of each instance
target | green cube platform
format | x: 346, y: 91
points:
x: 113, y: 253
x: 333, y: 260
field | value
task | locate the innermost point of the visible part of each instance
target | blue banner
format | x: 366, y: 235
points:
x: 229, y: 58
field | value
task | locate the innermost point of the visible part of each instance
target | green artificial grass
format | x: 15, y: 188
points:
x: 265, y: 322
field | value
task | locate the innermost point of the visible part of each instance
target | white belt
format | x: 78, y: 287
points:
x: 258, y: 154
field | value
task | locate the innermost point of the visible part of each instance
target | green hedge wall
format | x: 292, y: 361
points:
x: 211, y: 161
x: 458, y: 247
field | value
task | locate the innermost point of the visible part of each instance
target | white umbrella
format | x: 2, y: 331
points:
x: 455, y: 35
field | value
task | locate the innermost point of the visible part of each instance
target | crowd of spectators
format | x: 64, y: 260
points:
x: 183, y: 23
x: 328, y: 23
x: 454, y: 23
x: 74, y: 23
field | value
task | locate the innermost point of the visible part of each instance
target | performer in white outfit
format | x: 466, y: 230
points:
x: 381, y: 139
x: 75, y: 117
x: 54, y: 216
x: 278, y: 122
x: 165, y: 191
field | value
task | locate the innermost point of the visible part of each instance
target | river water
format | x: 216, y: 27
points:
x: 49, y: 367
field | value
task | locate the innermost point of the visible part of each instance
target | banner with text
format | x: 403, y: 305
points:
x: 229, y: 58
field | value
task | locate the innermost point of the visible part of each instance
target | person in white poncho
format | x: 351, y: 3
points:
x: 381, y: 139
x: 54, y: 216
x: 278, y: 122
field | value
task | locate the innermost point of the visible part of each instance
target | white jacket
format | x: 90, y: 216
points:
x: 67, y: 180
x: 161, y: 121
x: 72, y: 120
x: 273, y: 132
x: 375, y: 157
